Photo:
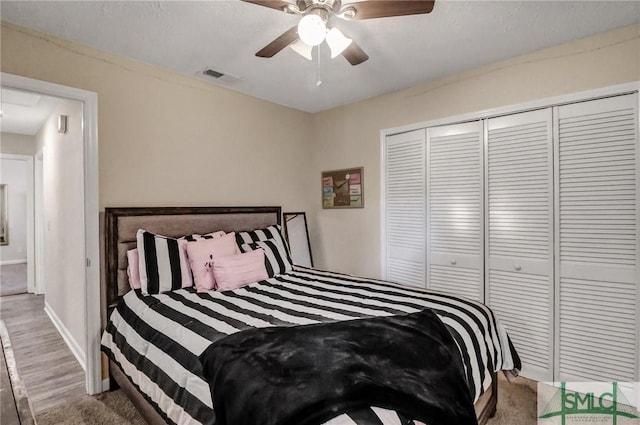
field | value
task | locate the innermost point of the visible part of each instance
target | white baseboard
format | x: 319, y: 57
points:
x: 106, y: 384
x: 12, y: 262
x: 73, y: 345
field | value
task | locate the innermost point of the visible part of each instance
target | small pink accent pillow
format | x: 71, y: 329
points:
x: 239, y: 270
x: 133, y: 269
x: 204, y: 253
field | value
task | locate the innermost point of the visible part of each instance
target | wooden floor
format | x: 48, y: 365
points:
x: 8, y: 410
x: 51, y: 374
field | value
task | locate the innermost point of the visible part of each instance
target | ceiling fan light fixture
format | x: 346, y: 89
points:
x: 303, y: 49
x: 312, y: 29
x: 337, y: 41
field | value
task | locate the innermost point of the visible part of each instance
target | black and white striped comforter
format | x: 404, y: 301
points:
x: 157, y: 339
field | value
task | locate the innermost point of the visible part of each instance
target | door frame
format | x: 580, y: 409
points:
x: 91, y: 212
x: 28, y: 159
x: 38, y: 216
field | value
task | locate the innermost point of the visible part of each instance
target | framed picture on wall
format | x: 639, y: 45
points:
x: 343, y: 188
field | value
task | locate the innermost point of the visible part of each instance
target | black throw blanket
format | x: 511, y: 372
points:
x: 306, y: 375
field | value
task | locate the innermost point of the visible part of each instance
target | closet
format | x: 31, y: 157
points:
x: 597, y: 246
x: 519, y: 277
x: 454, y: 207
x: 405, y: 193
x: 536, y: 214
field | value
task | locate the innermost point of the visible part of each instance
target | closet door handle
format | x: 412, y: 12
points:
x: 453, y: 262
x: 517, y: 267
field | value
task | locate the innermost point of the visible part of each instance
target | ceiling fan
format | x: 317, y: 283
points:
x: 313, y: 26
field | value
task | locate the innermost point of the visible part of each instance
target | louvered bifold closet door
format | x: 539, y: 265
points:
x: 597, y: 197
x: 455, y: 214
x: 404, y: 208
x: 519, y: 274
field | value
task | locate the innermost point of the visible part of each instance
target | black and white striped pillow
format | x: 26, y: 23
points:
x: 163, y: 263
x: 276, y: 257
x: 196, y: 237
x: 270, y: 232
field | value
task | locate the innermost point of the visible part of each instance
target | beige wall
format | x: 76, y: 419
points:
x: 17, y: 144
x: 349, y: 240
x: 171, y: 140
x: 63, y: 211
x: 165, y: 139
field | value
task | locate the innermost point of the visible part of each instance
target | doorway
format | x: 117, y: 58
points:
x: 16, y: 224
x: 88, y: 350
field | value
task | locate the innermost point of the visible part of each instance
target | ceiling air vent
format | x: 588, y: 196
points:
x: 212, y: 73
x: 221, y: 77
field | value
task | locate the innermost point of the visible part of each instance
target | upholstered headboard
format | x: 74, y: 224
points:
x: 122, y: 224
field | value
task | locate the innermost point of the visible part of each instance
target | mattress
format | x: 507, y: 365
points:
x: 157, y: 339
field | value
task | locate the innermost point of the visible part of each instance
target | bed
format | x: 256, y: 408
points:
x: 137, y: 347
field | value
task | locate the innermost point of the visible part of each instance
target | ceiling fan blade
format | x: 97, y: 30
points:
x: 354, y: 54
x: 280, y: 5
x: 385, y: 8
x: 279, y: 43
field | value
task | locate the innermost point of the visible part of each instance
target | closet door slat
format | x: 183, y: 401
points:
x: 404, y: 206
x: 519, y: 237
x: 455, y: 213
x: 597, y: 261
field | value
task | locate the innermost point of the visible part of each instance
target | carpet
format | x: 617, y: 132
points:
x: 111, y: 408
x: 517, y: 402
x: 516, y: 406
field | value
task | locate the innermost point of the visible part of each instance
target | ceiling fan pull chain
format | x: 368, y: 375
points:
x: 318, y: 80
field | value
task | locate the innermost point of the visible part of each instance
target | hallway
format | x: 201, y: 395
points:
x: 13, y: 279
x: 51, y: 374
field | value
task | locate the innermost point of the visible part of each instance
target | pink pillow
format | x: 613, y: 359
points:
x: 183, y: 241
x: 204, y: 253
x: 239, y: 270
x: 133, y: 269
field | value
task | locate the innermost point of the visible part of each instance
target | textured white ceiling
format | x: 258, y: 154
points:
x: 187, y: 37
